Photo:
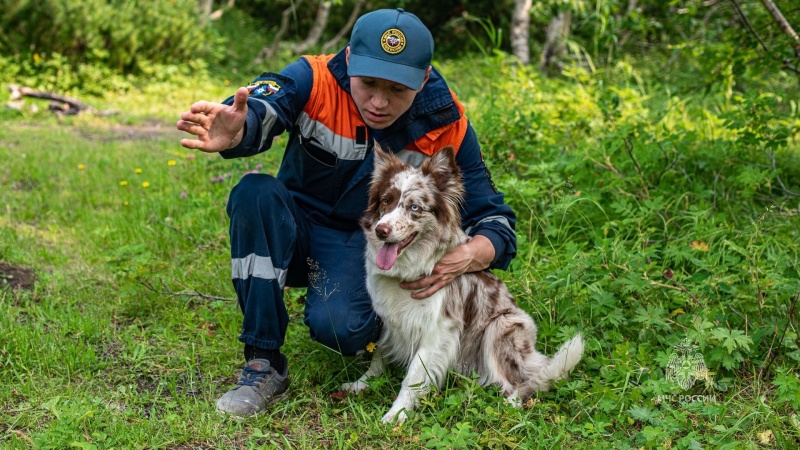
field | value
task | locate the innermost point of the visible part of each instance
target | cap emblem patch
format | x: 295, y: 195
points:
x: 393, y: 41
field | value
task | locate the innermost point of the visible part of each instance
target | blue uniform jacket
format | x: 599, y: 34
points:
x: 332, y: 187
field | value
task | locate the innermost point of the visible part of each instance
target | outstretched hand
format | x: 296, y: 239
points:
x: 217, y: 126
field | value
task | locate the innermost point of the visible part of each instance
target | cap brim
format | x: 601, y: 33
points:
x: 367, y: 66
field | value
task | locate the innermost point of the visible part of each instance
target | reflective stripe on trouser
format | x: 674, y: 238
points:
x: 271, y: 246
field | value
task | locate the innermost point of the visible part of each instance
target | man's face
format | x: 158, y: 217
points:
x: 381, y: 102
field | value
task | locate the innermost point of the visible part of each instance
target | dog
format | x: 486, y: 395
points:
x: 473, y: 325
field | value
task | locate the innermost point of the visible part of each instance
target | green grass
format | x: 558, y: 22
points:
x: 645, y: 218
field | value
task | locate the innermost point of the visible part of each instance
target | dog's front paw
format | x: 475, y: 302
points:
x: 393, y: 416
x: 355, y: 387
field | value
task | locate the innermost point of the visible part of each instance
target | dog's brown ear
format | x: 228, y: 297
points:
x: 445, y: 173
x: 383, y: 158
x: 442, y: 165
x: 386, y: 164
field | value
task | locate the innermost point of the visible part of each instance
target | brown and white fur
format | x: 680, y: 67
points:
x: 471, y: 325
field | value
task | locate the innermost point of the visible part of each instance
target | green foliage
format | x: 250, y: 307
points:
x: 242, y: 38
x: 460, y: 436
x: 69, y: 44
x: 649, y: 218
x: 787, y: 387
x: 649, y: 212
x: 709, y: 43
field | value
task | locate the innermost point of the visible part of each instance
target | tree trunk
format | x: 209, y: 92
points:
x: 783, y: 23
x: 269, y: 52
x: 520, y: 30
x: 346, y: 28
x: 557, y: 33
x: 632, y: 5
x: 205, y: 10
x: 323, y: 12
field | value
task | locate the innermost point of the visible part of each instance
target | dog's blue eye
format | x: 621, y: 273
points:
x: 415, y: 207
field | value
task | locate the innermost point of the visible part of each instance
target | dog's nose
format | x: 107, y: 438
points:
x: 383, y: 230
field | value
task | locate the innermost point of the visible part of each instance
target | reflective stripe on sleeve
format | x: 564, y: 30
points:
x: 269, y: 120
x: 503, y: 220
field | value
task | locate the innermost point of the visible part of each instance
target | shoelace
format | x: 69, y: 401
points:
x: 252, y: 377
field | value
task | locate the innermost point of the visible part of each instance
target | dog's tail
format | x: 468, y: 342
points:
x: 566, y: 358
x: 541, y: 371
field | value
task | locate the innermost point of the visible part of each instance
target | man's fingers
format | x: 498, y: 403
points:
x: 419, y: 295
x: 194, y: 144
x: 191, y: 128
x: 200, y: 119
x: 425, y: 282
x: 416, y: 284
x: 202, y: 107
x: 425, y: 287
x: 202, y: 145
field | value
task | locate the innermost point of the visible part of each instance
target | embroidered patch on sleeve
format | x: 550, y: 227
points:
x: 264, y: 87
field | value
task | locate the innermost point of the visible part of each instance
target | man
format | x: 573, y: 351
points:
x: 300, y: 228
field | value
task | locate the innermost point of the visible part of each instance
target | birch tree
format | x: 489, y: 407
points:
x: 520, y: 30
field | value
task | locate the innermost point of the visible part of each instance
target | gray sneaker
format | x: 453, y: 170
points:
x: 258, y: 386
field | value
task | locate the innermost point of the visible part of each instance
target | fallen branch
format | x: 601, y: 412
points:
x: 680, y: 287
x: 192, y: 293
x: 60, y: 104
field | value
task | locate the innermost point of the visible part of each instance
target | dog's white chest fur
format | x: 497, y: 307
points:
x: 406, y: 321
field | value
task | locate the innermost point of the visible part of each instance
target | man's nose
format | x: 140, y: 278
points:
x: 380, y: 100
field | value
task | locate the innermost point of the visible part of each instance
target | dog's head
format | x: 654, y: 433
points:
x: 412, y: 210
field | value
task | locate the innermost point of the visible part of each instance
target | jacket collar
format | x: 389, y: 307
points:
x: 433, y: 107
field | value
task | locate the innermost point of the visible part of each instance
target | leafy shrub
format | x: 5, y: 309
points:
x: 648, y: 219
x: 77, y: 43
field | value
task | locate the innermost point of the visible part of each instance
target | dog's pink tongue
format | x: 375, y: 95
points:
x: 387, y: 255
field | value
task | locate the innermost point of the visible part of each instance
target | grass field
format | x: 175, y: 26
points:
x: 646, y: 218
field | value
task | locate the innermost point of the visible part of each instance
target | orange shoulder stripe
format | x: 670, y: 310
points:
x: 328, y: 101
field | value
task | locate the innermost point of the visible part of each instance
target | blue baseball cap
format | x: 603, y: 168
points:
x: 391, y: 44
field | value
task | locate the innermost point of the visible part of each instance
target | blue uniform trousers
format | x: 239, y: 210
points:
x: 272, y: 246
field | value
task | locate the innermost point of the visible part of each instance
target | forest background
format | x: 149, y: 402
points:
x: 650, y: 150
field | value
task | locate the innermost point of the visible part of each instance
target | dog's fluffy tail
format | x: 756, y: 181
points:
x: 542, y: 371
x: 565, y: 359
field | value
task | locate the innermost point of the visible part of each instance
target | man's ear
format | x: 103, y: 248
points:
x: 427, y: 76
x: 347, y: 58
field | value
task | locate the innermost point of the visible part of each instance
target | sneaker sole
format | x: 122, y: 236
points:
x: 239, y: 418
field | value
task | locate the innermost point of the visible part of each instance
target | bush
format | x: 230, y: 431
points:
x: 87, y: 41
x: 643, y: 216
